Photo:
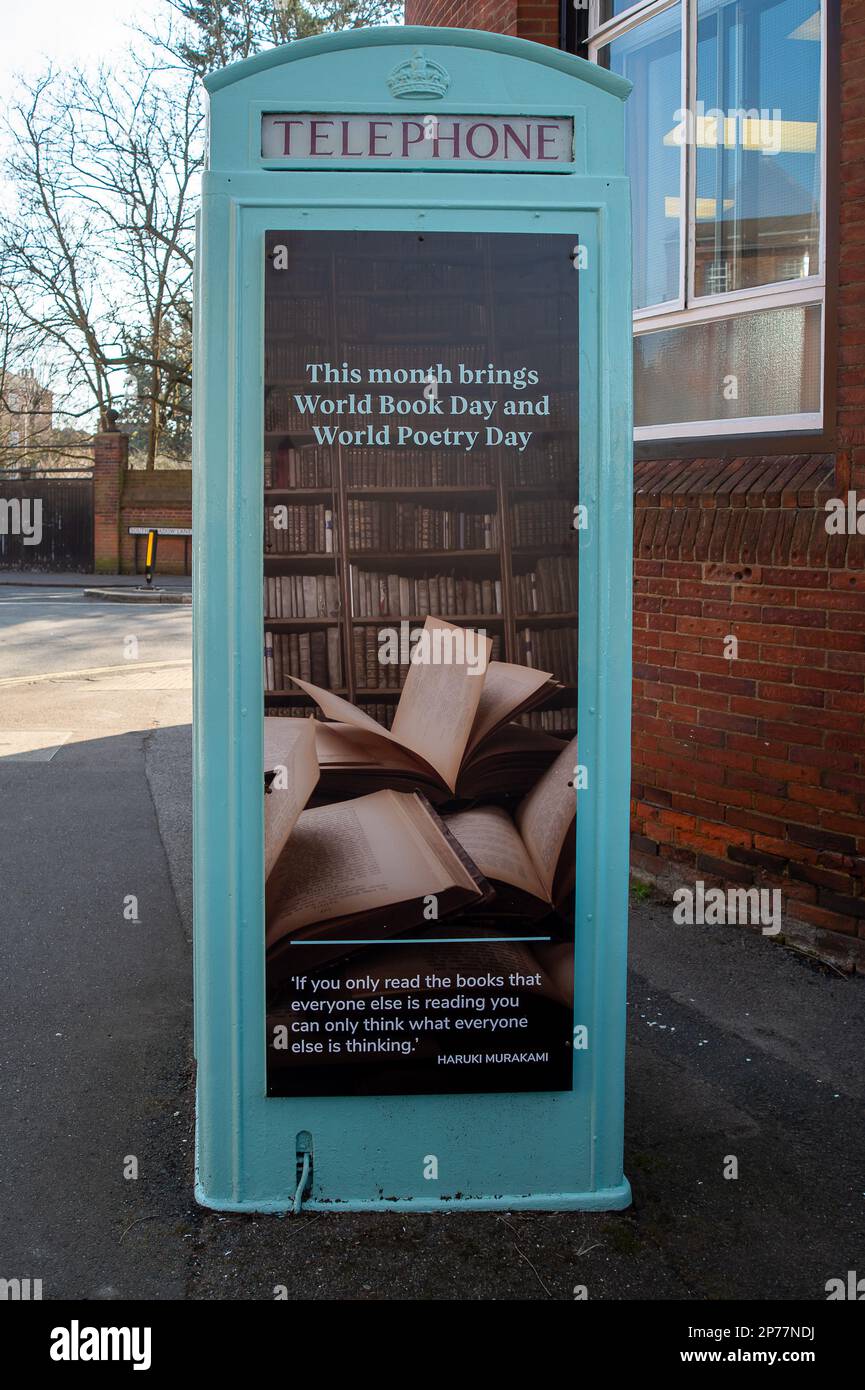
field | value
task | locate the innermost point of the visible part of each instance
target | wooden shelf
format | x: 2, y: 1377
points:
x: 301, y: 695
x: 300, y: 493
x: 305, y: 558
x: 548, y: 618
x: 455, y: 618
x: 439, y: 490
x: 544, y: 548
x: 303, y: 622
x: 423, y: 557
x: 563, y: 490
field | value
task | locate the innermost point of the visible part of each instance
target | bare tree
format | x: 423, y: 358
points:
x: 138, y: 167
x: 96, y: 251
x: 96, y: 260
x: 213, y: 33
x: 49, y: 269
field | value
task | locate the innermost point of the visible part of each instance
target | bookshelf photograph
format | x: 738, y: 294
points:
x: 420, y: 597
x: 357, y: 538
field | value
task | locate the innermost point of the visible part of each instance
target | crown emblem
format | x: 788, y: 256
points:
x: 419, y: 76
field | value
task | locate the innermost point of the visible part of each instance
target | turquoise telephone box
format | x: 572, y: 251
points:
x: 413, y: 434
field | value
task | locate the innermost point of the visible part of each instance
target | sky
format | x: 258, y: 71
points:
x: 67, y: 32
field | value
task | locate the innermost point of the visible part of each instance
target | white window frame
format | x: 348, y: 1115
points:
x: 688, y: 307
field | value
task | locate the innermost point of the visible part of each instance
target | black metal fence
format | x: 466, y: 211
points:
x: 46, y: 522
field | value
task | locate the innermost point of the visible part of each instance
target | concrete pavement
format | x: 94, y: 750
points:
x: 737, y: 1049
x: 95, y: 1003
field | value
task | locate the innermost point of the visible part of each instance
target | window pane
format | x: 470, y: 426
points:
x: 611, y: 9
x: 650, y: 56
x: 756, y: 130
x: 755, y: 364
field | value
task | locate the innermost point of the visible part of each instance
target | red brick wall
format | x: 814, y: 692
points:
x: 110, y: 452
x: 530, y: 19
x: 161, y: 498
x: 751, y: 770
x: 122, y: 499
x: 497, y: 16
x: 538, y: 21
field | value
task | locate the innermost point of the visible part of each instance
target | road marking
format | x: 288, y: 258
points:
x: 138, y: 679
x: 89, y: 671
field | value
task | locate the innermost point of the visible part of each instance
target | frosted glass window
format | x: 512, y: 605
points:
x: 729, y: 369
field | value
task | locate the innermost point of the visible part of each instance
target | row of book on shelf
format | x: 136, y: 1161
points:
x: 548, y: 721
x: 398, y: 595
x: 287, y: 467
x: 547, y: 522
x: 301, y: 596
x: 550, y: 587
x: 400, y: 527
x: 316, y: 656
x: 416, y: 468
x: 313, y: 656
x: 552, y: 721
x: 550, y: 649
x: 379, y: 710
x: 299, y: 529
x: 406, y: 526
x: 312, y: 466
x: 374, y: 673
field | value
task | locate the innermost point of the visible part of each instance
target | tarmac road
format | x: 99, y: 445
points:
x: 46, y: 630
x: 737, y: 1049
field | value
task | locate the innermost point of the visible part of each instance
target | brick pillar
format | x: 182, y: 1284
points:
x: 110, y: 454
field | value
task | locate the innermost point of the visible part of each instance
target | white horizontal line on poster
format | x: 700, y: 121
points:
x: 417, y: 940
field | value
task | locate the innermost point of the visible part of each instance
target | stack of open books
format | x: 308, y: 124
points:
x: 501, y: 842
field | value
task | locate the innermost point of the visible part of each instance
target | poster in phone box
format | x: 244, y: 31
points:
x: 420, y: 568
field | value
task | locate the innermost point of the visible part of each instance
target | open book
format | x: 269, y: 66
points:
x: 290, y: 776
x: 529, y: 857
x: 374, y: 860
x: 368, y: 865
x: 452, y: 730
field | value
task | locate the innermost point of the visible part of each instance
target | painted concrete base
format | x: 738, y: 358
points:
x: 607, y: 1199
